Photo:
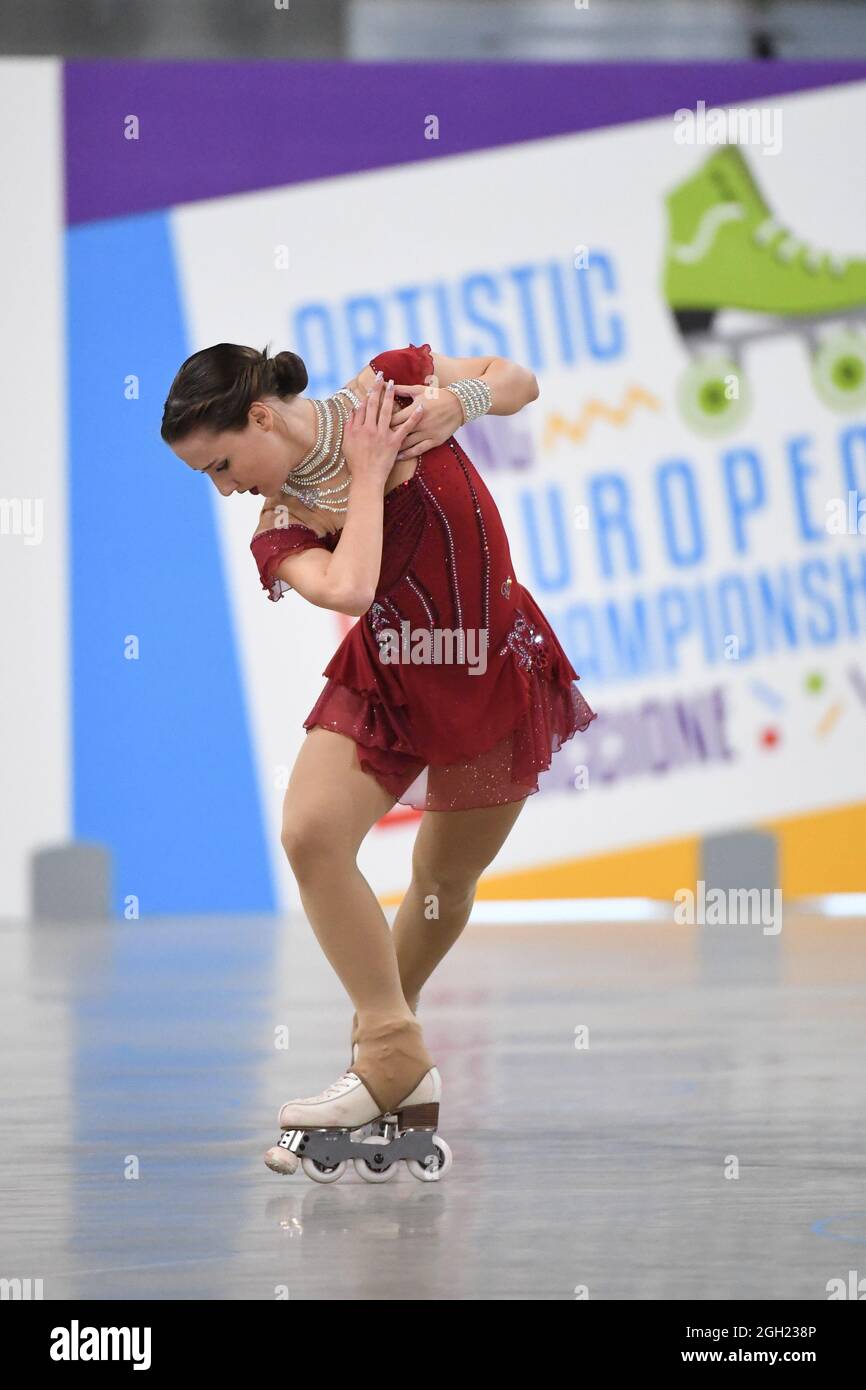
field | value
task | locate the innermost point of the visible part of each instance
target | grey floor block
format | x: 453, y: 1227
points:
x: 71, y: 883
x: 742, y: 859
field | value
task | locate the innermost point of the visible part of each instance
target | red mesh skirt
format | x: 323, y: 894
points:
x: 506, y: 771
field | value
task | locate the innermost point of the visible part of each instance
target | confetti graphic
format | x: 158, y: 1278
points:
x: 576, y: 431
x: 815, y: 682
x: 767, y: 695
x: 829, y: 719
x: 858, y: 680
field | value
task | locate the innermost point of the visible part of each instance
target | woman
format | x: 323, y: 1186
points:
x: 450, y: 694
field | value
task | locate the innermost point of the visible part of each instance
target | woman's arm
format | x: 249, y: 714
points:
x: 338, y: 580
x: 353, y: 571
x: 511, y: 386
x: 307, y: 570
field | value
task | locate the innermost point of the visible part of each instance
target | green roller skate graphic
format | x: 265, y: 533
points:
x: 726, y: 251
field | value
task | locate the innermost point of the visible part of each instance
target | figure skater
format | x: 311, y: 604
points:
x: 373, y: 509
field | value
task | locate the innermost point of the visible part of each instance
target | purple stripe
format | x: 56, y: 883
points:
x: 208, y: 130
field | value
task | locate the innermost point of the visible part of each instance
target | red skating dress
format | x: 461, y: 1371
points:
x: 442, y: 734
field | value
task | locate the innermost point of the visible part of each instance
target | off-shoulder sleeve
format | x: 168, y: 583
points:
x: 409, y: 366
x: 271, y: 547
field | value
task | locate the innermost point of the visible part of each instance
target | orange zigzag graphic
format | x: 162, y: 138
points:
x: 597, y: 410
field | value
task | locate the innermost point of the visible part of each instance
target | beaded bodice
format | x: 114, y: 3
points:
x: 446, y: 562
x: 481, y: 730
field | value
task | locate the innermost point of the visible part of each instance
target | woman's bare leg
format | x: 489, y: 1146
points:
x: 452, y: 850
x: 330, y: 805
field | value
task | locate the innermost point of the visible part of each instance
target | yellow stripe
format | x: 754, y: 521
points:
x: 818, y: 853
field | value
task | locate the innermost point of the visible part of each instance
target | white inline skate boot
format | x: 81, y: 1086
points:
x: 321, y: 1133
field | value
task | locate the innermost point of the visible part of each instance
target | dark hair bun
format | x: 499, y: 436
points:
x: 289, y: 373
x: 214, y: 388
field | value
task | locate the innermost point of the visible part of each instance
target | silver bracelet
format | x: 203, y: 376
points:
x: 474, y: 395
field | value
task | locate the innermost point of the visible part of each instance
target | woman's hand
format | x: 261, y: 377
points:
x: 369, y: 446
x: 443, y: 414
x: 370, y: 443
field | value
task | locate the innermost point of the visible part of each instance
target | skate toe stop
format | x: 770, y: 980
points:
x: 280, y: 1161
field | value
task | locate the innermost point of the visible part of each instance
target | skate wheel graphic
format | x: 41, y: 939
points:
x: 435, y: 1171
x: 839, y: 370
x: 706, y: 395
x: 363, y: 1169
x: 319, y: 1172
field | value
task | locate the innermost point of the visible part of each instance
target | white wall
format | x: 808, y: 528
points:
x: 34, y: 624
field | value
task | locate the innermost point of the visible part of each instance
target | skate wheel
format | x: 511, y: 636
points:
x: 363, y: 1169
x: 319, y: 1173
x: 839, y: 370
x: 432, y: 1173
x: 713, y: 395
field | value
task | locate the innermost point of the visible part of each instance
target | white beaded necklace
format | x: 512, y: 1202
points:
x: 325, y: 459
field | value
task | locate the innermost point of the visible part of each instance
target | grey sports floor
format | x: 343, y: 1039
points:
x: 604, y: 1170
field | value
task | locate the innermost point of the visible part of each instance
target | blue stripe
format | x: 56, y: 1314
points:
x: 162, y: 755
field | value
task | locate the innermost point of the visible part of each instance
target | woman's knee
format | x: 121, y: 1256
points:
x: 453, y: 849
x: 450, y: 883
x: 311, y: 841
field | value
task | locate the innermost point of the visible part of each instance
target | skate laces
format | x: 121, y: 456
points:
x: 343, y: 1083
x: 791, y: 247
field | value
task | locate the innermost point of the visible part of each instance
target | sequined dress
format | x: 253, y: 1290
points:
x: 439, y: 732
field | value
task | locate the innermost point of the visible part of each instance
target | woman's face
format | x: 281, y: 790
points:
x: 257, y: 459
